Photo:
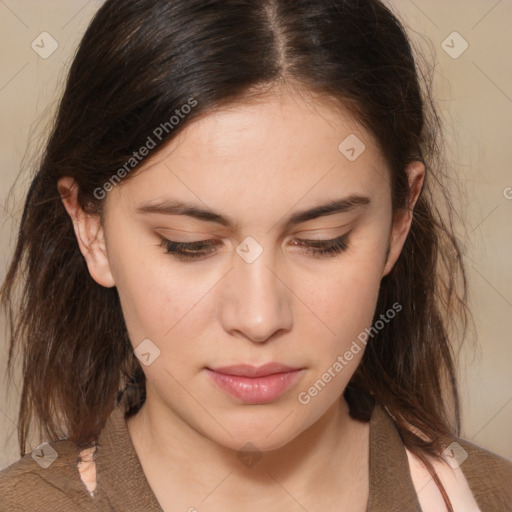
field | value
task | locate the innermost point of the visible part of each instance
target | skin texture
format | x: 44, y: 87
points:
x: 256, y: 163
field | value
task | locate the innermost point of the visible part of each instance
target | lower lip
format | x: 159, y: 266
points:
x: 255, y: 390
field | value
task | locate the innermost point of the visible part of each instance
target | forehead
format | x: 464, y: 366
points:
x: 286, y: 124
x: 276, y: 151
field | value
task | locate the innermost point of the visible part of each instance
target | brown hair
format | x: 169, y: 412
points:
x: 137, y: 64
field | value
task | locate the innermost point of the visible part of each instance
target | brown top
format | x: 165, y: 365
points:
x: 122, y: 486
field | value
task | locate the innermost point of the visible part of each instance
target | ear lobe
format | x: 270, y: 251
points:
x: 89, y: 233
x: 402, y: 219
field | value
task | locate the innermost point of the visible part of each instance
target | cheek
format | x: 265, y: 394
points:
x: 153, y: 302
x: 343, y: 298
x: 345, y: 301
x: 162, y: 300
x: 346, y: 306
x: 345, y: 295
x: 145, y: 285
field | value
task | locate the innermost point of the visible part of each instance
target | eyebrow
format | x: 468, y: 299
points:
x: 178, y: 207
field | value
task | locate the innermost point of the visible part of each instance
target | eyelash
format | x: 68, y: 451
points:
x: 316, y: 248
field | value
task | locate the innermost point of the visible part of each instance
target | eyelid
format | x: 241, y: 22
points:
x: 310, y: 234
x: 322, y: 238
x: 301, y: 234
x: 193, y: 232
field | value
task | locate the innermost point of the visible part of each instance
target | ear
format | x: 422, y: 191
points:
x: 89, y: 233
x: 403, y: 218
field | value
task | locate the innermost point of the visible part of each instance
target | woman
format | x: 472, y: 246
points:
x: 239, y: 290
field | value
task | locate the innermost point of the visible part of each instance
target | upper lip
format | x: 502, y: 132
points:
x: 246, y: 370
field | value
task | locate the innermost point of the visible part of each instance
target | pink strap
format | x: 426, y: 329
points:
x: 453, y: 480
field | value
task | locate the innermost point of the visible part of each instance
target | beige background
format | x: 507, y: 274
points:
x: 474, y: 92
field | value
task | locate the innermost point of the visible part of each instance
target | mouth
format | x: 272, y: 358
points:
x: 255, y: 385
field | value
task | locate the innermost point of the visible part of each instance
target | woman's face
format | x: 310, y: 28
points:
x: 254, y: 294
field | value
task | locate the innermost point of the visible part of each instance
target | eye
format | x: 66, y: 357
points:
x: 325, y: 247
x: 189, y: 251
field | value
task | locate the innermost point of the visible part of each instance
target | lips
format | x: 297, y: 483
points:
x: 255, y: 385
x: 246, y: 370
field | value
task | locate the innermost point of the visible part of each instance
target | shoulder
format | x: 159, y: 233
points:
x: 489, y: 475
x: 475, y: 479
x: 45, y: 479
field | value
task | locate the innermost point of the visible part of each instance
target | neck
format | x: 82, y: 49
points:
x: 329, y: 454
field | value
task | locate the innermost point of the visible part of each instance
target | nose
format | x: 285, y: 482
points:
x: 256, y: 300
